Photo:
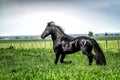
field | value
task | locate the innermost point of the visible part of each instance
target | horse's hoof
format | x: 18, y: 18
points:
x: 90, y: 64
x: 67, y: 62
x: 55, y: 63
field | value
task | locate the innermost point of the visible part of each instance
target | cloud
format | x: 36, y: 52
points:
x: 75, y: 16
x: 97, y: 4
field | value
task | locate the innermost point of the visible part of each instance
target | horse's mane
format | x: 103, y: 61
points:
x: 66, y: 37
x: 59, y: 27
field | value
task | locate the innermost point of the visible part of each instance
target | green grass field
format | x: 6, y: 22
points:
x: 33, y: 60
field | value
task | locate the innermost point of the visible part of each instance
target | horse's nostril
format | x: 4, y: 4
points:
x: 42, y: 36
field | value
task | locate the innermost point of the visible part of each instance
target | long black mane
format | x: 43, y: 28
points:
x: 65, y: 36
x: 64, y: 44
x: 60, y: 28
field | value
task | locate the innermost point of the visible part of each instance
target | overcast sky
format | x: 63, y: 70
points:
x: 29, y: 17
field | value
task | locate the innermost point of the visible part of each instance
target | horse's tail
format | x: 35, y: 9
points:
x: 100, y: 58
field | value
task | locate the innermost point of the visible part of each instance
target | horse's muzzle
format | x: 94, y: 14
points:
x: 43, y: 36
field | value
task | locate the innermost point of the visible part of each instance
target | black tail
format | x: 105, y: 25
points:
x: 100, y: 58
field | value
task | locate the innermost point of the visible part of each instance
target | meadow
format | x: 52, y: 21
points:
x: 34, y: 60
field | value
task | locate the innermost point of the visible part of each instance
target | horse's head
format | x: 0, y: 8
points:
x: 47, y: 30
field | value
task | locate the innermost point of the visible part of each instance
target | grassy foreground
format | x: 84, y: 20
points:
x: 37, y: 64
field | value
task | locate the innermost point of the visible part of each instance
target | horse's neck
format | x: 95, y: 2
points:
x: 58, y: 37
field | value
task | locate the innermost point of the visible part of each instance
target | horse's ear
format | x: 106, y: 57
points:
x: 51, y: 23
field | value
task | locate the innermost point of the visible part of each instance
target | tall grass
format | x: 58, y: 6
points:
x: 33, y: 63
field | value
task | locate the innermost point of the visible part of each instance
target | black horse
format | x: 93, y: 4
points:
x: 64, y: 44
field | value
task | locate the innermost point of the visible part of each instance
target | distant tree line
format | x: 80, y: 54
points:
x: 90, y: 33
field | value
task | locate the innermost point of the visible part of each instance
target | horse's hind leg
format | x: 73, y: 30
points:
x: 90, y: 57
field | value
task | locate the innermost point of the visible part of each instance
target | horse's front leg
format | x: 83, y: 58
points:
x: 57, y: 55
x: 90, y: 57
x: 62, y: 59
